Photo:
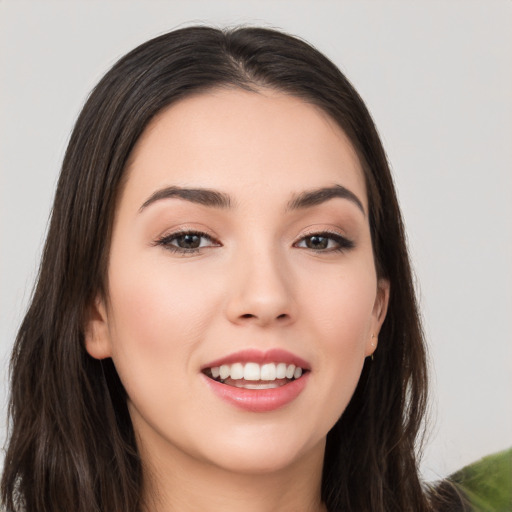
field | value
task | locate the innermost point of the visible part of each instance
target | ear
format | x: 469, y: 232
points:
x: 380, y: 308
x: 96, y: 331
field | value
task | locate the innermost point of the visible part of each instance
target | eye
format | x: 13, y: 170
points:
x: 187, y: 241
x: 325, y: 242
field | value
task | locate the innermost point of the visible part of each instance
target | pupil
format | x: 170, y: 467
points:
x: 189, y: 241
x: 317, y: 242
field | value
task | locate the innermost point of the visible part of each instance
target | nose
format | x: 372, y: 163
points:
x: 260, y: 291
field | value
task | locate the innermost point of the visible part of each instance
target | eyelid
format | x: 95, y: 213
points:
x: 166, y: 239
x: 185, y: 229
x: 344, y: 243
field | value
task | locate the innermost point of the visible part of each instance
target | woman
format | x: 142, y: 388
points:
x: 225, y: 255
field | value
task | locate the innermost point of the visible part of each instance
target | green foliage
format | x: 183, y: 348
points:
x: 488, y: 483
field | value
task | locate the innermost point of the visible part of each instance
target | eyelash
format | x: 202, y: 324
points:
x: 166, y: 241
x: 343, y: 243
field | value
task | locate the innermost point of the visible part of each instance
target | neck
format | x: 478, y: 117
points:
x: 185, y: 485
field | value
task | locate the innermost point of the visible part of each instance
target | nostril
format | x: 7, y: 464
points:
x: 248, y: 316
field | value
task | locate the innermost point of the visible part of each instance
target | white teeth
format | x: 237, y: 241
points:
x: 290, y: 370
x: 225, y: 370
x: 281, y: 371
x: 255, y: 372
x: 237, y: 371
x: 251, y: 371
x: 268, y: 372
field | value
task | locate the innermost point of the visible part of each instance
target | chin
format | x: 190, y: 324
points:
x: 264, y: 453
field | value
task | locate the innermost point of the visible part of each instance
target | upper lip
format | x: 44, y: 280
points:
x: 275, y: 355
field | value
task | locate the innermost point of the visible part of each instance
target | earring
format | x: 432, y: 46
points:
x: 373, y: 346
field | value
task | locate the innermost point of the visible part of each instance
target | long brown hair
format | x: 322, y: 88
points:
x: 72, y: 445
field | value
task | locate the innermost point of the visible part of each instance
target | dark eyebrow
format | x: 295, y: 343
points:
x: 203, y: 196
x: 321, y: 195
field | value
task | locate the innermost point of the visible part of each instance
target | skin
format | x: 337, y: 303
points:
x: 254, y: 284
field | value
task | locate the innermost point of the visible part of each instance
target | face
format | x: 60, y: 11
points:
x: 242, y: 288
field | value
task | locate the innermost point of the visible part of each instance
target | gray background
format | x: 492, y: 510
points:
x: 437, y: 77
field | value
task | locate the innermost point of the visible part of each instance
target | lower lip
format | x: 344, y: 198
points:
x: 258, y: 400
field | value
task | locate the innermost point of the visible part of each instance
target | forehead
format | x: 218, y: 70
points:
x: 236, y: 140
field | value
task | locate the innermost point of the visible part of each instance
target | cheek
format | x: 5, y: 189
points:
x: 156, y: 323
x: 153, y: 306
x: 342, y: 308
x: 341, y: 313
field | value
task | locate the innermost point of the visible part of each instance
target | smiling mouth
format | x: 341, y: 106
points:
x: 255, y: 376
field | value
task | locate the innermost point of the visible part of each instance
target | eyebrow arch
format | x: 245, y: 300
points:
x: 203, y: 196
x: 321, y: 195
